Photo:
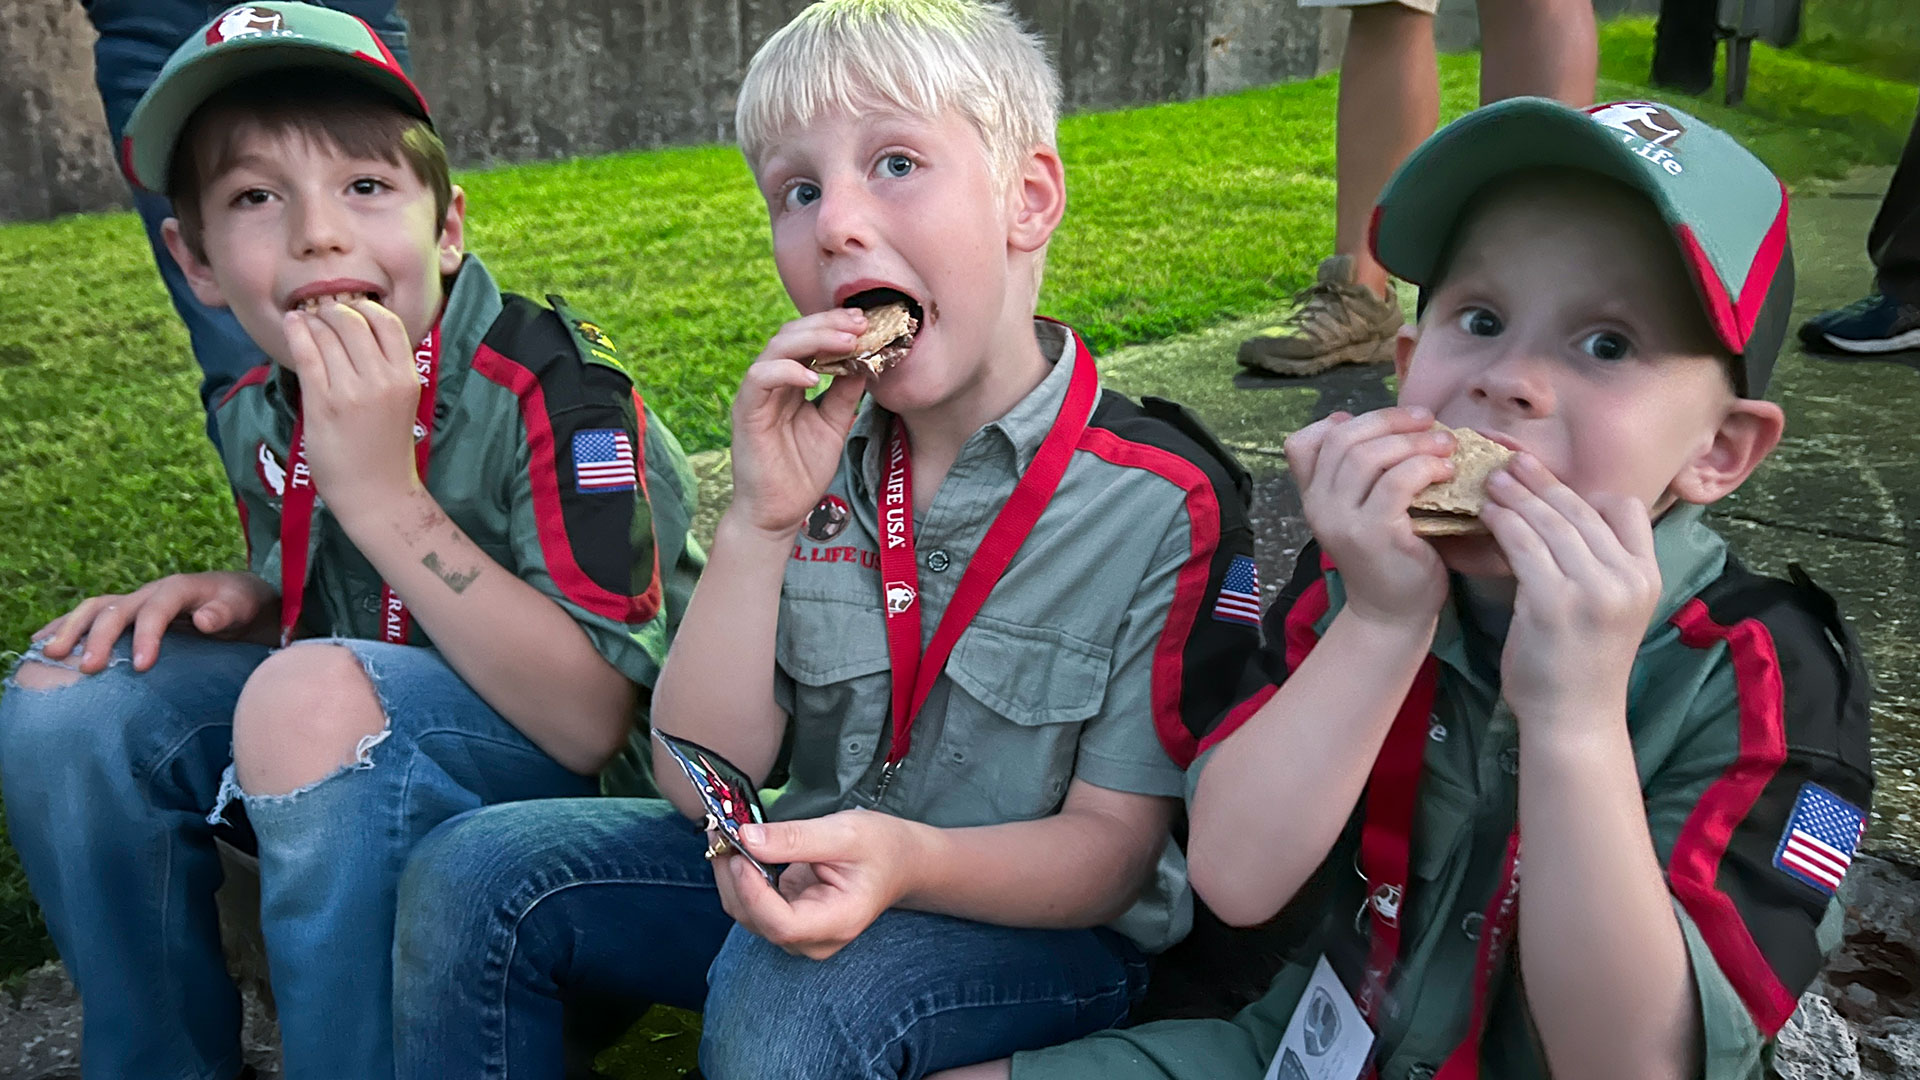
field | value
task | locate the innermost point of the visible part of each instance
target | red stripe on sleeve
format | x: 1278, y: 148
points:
x: 555, y: 547
x: 1190, y: 588
x: 1300, y: 639
x: 1694, y: 869
x: 640, y: 474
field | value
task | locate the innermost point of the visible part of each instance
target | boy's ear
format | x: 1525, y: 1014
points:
x: 453, y: 233
x: 1747, y: 434
x: 1040, y: 199
x: 199, y: 274
x: 1403, y: 343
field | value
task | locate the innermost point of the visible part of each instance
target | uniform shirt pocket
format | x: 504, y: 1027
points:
x: 834, y: 681
x: 1021, y: 696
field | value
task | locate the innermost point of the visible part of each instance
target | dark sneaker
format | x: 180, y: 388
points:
x: 1872, y: 324
x: 1334, y: 321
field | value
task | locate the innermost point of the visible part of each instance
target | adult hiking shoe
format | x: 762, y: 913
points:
x: 1872, y: 324
x: 1334, y: 321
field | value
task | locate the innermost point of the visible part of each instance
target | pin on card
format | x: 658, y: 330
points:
x: 1327, y: 1039
x: 725, y: 791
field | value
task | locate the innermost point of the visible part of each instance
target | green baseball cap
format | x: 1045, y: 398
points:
x: 1726, y: 210
x: 246, y: 40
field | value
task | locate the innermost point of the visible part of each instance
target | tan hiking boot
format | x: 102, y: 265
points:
x: 1334, y: 321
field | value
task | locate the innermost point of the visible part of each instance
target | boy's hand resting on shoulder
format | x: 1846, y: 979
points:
x: 1586, y: 584
x: 358, y: 397
x: 1357, y: 477
x: 843, y: 871
x: 218, y: 603
x: 785, y: 448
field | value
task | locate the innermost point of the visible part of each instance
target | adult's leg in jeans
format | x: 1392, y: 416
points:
x: 332, y: 848
x: 508, y: 911
x: 1894, y: 242
x: 108, y: 778
x: 1545, y: 48
x: 1389, y: 102
x: 913, y: 994
x: 136, y: 37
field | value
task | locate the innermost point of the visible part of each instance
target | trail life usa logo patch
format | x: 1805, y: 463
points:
x: 827, y: 520
x: 245, y: 21
x: 1654, y: 131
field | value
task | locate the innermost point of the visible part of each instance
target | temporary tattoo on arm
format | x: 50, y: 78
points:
x: 453, y: 579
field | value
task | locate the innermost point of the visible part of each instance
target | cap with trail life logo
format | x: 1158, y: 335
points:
x: 243, y: 41
x: 1726, y: 210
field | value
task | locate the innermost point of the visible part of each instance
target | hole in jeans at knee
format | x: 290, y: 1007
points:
x: 37, y: 674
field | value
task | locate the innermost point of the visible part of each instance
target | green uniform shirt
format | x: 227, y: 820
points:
x: 1746, y: 692
x: 519, y: 386
x: 1097, y: 656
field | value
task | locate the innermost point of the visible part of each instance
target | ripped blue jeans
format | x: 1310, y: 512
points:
x: 112, y: 784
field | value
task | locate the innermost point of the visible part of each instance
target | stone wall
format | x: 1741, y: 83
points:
x: 517, y: 80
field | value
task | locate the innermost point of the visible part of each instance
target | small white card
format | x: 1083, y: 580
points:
x: 1327, y: 1039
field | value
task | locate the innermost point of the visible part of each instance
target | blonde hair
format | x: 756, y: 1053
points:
x: 924, y: 58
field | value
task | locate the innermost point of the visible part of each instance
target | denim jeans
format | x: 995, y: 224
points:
x: 110, y: 784
x: 508, y: 911
x: 136, y: 37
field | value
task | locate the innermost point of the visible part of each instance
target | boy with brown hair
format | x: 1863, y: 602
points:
x: 444, y: 491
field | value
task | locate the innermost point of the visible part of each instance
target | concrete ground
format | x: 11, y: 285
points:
x: 1841, y: 496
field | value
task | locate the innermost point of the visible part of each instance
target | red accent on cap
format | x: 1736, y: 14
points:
x: 386, y: 60
x: 1720, y: 310
x: 1766, y: 263
x: 126, y: 160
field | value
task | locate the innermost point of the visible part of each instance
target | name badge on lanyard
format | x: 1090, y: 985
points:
x: 296, y: 511
x: 914, y: 673
x: 1385, y: 855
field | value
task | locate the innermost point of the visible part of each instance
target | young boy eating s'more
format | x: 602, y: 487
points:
x: 1571, y: 797
x: 988, y: 604
x: 444, y: 490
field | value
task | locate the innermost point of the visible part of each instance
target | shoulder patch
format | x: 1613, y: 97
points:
x: 586, y: 431
x: 593, y: 342
x: 1821, y: 837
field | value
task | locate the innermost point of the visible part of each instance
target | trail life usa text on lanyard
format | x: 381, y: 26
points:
x: 296, y: 513
x: 1314, y: 1046
x: 914, y: 673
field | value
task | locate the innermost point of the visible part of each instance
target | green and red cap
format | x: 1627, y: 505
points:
x: 246, y: 40
x: 1727, y: 211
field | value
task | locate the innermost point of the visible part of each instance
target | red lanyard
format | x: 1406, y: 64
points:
x: 913, y: 673
x: 1385, y: 853
x: 296, y: 514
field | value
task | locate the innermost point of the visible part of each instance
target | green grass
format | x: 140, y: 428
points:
x: 1181, y: 216
x: 1876, y: 36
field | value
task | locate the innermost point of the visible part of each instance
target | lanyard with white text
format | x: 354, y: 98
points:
x: 913, y: 673
x: 296, y: 513
x: 1385, y: 855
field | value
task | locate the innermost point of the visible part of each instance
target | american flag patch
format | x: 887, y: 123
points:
x: 602, y: 461
x: 1240, y: 593
x: 1820, y: 839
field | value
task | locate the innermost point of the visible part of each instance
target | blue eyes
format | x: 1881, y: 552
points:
x: 1605, y: 345
x: 799, y: 194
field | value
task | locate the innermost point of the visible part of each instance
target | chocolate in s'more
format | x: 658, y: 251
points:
x: 885, y: 342
x: 1452, y: 507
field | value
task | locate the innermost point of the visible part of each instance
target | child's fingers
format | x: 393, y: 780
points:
x: 1303, y: 446
x: 772, y: 383
x: 1564, y: 541
x: 1631, y: 523
x: 840, y: 402
x: 108, y: 624
x: 389, y: 333
x: 1597, y: 535
x: 1350, y: 475
x: 346, y: 342
x: 1393, y: 493
x: 303, y: 353
x: 68, y: 629
x: 1524, y: 549
x: 150, y: 624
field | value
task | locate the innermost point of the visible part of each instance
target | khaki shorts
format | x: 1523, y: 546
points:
x: 1427, y: 7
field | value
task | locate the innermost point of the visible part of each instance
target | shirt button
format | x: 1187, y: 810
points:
x: 938, y: 562
x: 1471, y: 923
x: 1510, y: 761
x: 853, y: 747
